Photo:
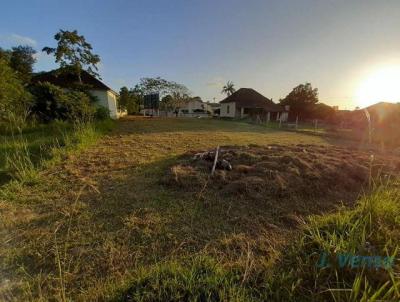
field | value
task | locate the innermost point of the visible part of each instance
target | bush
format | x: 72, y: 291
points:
x: 14, y: 99
x: 53, y: 103
x: 102, y: 113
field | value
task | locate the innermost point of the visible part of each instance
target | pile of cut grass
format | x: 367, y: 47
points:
x: 300, y: 176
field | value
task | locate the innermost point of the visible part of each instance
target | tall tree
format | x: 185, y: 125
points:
x: 14, y: 99
x: 128, y: 100
x: 229, y: 88
x: 74, y: 53
x: 5, y: 55
x: 21, y: 60
x: 302, y: 100
x: 161, y: 86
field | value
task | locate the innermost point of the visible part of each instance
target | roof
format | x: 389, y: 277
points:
x: 249, y: 98
x: 383, y: 106
x: 68, y: 79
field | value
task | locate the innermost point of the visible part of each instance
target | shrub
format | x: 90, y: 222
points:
x: 52, y: 102
x: 102, y: 113
x: 14, y: 99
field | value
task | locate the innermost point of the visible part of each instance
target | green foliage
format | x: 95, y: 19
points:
x: 19, y: 162
x: 74, y: 53
x: 199, y: 279
x: 174, y: 101
x: 161, y: 86
x: 129, y: 100
x: 53, y: 103
x: 102, y: 113
x: 372, y: 228
x: 15, y: 101
x: 229, y: 88
x: 24, y: 154
x: 22, y: 60
x: 302, y: 100
x: 5, y: 55
x: 323, y: 112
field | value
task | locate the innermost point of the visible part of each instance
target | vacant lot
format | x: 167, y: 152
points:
x: 95, y: 220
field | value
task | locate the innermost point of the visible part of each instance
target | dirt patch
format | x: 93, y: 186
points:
x: 275, y: 172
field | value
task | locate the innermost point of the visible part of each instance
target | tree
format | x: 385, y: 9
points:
x: 21, y: 60
x: 161, y: 86
x: 228, y: 88
x: 167, y: 103
x: 5, y: 55
x: 74, y: 53
x: 128, y: 100
x: 53, y: 102
x: 14, y: 99
x: 323, y: 112
x: 302, y: 100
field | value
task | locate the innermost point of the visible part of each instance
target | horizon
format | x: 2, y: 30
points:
x: 346, y: 50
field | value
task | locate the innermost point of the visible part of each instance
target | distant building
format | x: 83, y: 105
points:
x: 105, y: 95
x: 383, y: 115
x: 215, y: 108
x: 247, y: 102
x: 194, y: 107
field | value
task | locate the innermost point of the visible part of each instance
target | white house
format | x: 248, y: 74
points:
x: 105, y: 95
x: 247, y: 102
x: 194, y: 107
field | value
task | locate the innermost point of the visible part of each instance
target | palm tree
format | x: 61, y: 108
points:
x: 228, y: 88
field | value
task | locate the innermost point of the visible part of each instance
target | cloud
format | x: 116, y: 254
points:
x: 14, y: 39
x: 216, y: 82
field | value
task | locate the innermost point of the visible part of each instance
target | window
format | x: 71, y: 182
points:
x: 227, y: 109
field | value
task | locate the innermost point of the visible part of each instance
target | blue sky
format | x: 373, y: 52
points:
x: 270, y: 46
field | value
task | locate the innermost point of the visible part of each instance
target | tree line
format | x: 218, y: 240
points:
x: 21, y: 98
x: 173, y: 95
x: 303, y: 103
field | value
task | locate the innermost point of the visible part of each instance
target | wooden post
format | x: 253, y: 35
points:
x: 215, y: 161
x: 297, y: 122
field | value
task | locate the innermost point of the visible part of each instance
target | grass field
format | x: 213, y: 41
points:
x: 25, y: 151
x: 100, y: 225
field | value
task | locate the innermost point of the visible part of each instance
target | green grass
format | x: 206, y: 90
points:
x: 296, y: 276
x: 23, y: 153
x: 99, y: 225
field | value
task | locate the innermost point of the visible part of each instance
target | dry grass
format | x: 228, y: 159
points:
x: 102, y: 214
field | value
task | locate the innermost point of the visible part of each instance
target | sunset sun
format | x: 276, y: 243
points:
x: 383, y: 84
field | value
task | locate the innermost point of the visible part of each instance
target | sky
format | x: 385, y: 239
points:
x: 271, y: 46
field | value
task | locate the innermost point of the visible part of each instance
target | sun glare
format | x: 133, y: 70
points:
x: 382, y: 85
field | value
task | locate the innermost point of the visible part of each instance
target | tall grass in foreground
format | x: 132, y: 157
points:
x: 27, y: 153
x: 371, y: 228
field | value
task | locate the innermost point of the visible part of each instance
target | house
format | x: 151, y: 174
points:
x: 105, y: 95
x: 194, y: 107
x: 382, y: 115
x: 215, y: 108
x: 247, y: 102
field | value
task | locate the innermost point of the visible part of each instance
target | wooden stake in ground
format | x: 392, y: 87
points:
x: 215, y: 161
